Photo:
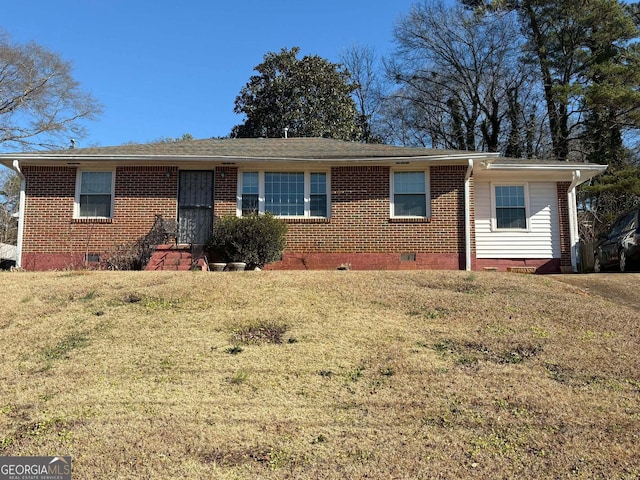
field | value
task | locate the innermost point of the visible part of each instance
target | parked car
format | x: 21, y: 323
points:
x: 619, y: 247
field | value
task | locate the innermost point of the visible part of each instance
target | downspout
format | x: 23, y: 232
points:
x: 573, y: 219
x: 467, y: 215
x: 16, y: 167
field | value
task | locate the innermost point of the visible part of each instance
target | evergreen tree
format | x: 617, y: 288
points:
x: 310, y: 97
x: 588, y: 59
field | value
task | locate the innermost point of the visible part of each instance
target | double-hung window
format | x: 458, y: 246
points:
x: 250, y: 190
x: 410, y: 194
x: 510, y: 203
x: 94, y: 194
x: 318, y: 194
x: 284, y: 193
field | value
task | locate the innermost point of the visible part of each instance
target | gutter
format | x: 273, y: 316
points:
x: 23, y: 184
x: 467, y: 215
x: 573, y: 219
x: 59, y: 158
x: 592, y: 168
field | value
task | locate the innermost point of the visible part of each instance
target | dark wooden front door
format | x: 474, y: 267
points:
x: 195, y: 206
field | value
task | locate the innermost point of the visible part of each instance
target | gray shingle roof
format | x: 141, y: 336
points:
x: 291, y: 148
x: 305, y: 149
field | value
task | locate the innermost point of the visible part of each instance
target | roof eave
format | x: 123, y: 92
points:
x: 7, y: 159
x: 587, y: 170
x: 548, y: 166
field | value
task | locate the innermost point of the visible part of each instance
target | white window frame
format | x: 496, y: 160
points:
x: 527, y: 209
x: 262, y: 196
x: 76, y: 206
x: 427, y: 193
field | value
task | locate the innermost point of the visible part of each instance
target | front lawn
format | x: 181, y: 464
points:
x: 335, y: 375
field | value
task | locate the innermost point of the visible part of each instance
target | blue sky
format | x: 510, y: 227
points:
x: 164, y: 68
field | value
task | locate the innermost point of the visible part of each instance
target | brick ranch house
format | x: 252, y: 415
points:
x: 370, y: 206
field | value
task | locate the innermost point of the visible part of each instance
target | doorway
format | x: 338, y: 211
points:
x: 195, y: 206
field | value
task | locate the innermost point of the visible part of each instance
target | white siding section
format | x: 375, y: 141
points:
x: 542, y: 240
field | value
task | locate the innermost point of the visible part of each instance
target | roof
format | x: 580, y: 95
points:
x: 501, y: 168
x: 324, y: 150
x: 250, y: 148
x: 307, y: 148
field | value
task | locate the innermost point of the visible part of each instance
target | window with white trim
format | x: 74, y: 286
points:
x: 94, y: 194
x: 318, y: 195
x: 284, y: 193
x: 250, y: 190
x: 410, y: 194
x: 510, y: 207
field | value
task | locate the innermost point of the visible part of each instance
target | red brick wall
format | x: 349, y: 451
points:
x: 360, y: 231
x: 54, y: 239
x: 542, y: 265
x: 563, y: 213
x: 225, y: 191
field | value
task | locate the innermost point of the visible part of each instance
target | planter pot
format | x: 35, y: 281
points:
x: 236, y: 266
x: 217, y: 267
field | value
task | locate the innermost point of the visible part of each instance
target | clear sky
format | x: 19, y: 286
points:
x: 164, y: 68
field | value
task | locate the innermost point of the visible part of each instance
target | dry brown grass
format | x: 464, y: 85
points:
x: 319, y: 375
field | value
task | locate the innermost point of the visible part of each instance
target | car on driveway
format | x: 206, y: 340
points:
x: 619, y: 247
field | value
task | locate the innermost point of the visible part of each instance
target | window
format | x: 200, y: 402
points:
x: 94, y: 194
x: 285, y: 194
x: 92, y: 257
x: 249, y: 193
x: 626, y: 223
x: 410, y: 193
x: 318, y: 206
x: 510, y: 206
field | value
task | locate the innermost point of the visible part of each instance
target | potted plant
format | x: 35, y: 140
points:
x: 236, y: 266
x: 217, y: 266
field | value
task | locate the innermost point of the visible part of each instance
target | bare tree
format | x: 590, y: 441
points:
x: 9, y: 198
x: 405, y: 119
x: 362, y: 65
x: 41, y: 105
x: 465, y: 71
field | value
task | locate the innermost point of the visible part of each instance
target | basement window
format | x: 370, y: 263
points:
x: 92, y: 257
